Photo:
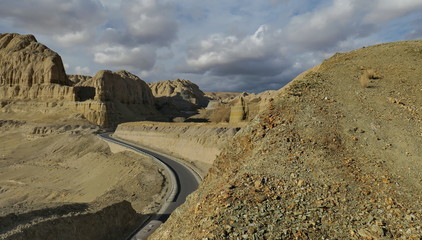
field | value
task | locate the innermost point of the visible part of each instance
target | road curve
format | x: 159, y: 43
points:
x: 185, y: 179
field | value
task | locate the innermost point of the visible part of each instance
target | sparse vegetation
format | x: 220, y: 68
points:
x: 372, y: 74
x: 367, y: 75
x: 364, y: 79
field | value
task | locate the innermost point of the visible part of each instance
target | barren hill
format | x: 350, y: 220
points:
x: 327, y: 159
x: 33, y: 81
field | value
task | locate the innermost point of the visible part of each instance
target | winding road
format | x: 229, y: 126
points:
x: 183, y: 179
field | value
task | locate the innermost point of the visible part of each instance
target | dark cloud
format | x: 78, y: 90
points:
x: 53, y: 17
x: 135, y: 35
x: 255, y: 54
x: 123, y: 57
x: 150, y: 21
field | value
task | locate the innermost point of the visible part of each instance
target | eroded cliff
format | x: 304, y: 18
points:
x: 198, y: 143
x: 33, y: 82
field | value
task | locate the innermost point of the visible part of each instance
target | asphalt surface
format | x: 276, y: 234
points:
x: 186, y: 179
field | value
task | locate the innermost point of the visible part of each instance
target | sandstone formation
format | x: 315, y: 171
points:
x: 239, y: 111
x: 33, y: 80
x: 326, y: 159
x: 235, y: 107
x: 26, y: 62
x: 178, y: 97
x: 78, y: 78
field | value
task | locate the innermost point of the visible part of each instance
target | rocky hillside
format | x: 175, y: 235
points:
x: 33, y: 80
x: 332, y: 157
x: 178, y: 98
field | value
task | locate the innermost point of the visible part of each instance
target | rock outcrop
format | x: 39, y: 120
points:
x: 238, y: 111
x: 33, y: 75
x: 75, y: 79
x: 178, y: 98
x: 26, y: 62
x: 119, y: 86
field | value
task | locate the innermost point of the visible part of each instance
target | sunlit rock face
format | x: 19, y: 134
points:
x: 31, y: 72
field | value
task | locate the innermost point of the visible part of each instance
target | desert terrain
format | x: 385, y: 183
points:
x: 57, y: 176
x: 70, y: 171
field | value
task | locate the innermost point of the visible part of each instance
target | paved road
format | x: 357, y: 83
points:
x: 185, y: 178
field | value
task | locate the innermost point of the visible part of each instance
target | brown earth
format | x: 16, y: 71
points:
x: 64, y: 176
x: 327, y: 159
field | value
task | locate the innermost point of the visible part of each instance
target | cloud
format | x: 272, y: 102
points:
x: 53, y: 17
x: 323, y: 29
x: 74, y: 38
x: 135, y: 33
x: 139, y: 58
x: 150, y: 21
x: 82, y: 70
x: 232, y: 45
x: 385, y: 10
x: 255, y: 54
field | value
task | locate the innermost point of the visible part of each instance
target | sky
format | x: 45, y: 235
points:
x: 230, y: 45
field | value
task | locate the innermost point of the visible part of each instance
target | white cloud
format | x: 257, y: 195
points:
x: 53, y: 17
x: 324, y: 28
x: 385, y: 10
x: 255, y: 54
x: 139, y: 58
x: 74, y: 38
x: 82, y: 70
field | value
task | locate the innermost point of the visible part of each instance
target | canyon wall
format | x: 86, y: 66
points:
x: 197, y: 142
